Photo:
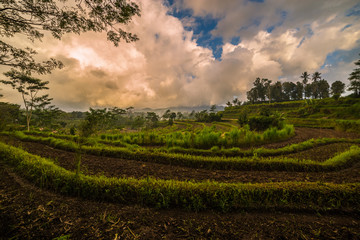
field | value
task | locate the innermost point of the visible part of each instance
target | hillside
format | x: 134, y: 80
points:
x: 341, y: 114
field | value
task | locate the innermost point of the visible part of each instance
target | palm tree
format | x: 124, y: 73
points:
x: 316, y: 77
x: 305, y: 77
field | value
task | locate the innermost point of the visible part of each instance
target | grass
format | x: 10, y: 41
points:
x: 185, y: 194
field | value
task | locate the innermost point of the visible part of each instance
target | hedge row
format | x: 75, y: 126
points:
x: 343, y: 160
x: 189, y: 195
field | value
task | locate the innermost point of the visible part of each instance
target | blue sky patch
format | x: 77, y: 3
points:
x: 201, y: 27
x: 338, y: 56
x: 354, y: 11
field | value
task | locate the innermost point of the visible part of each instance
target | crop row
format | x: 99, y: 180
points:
x: 204, y: 139
x: 340, y: 161
x: 216, y: 151
x: 191, y: 195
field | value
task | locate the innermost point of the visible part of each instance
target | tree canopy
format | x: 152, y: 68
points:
x: 354, y: 79
x: 33, y: 18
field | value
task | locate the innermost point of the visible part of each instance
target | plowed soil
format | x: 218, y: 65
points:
x: 27, y: 212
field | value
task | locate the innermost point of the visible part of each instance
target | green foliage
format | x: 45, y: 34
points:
x: 354, y: 79
x: 28, y: 87
x: 243, y: 117
x: 9, y: 114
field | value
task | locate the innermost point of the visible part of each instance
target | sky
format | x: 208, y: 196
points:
x: 202, y: 52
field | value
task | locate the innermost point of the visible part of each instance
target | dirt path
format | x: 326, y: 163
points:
x: 27, y: 212
x: 114, y: 167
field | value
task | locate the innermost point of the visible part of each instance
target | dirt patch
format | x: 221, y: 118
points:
x: 27, y: 212
x: 115, y: 167
x: 321, y: 153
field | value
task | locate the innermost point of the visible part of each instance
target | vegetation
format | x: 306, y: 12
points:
x: 277, y: 92
x: 354, y: 79
x: 29, y: 88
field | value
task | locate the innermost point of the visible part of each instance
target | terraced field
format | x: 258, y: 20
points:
x: 295, y: 188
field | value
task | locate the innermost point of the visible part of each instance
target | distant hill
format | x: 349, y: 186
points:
x: 182, y: 109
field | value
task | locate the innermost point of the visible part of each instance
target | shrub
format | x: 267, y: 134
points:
x: 260, y: 123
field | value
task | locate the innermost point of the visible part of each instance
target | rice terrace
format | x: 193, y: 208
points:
x: 237, y: 157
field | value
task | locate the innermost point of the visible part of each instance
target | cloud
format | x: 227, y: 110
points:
x: 167, y: 67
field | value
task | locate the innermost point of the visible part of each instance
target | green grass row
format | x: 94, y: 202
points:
x: 189, y: 195
x: 216, y: 151
x: 261, y: 152
x: 343, y: 160
x: 204, y: 139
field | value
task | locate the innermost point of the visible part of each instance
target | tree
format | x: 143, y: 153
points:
x: 267, y: 85
x: 308, y: 90
x: 252, y: 95
x: 316, y: 77
x: 259, y: 85
x: 305, y: 77
x: 166, y: 114
x: 337, y: 88
x: 9, y: 114
x: 45, y: 116
x: 236, y: 102
x: 179, y: 115
x: 152, y: 119
x: 172, y: 118
x: 33, y: 18
x: 276, y: 91
x: 213, y: 108
x: 354, y: 79
x: 29, y: 88
x: 299, y: 90
x: 289, y: 88
x: 323, y: 86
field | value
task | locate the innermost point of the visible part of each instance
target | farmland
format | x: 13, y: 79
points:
x: 186, y: 180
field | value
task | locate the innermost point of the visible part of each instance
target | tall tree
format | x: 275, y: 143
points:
x: 252, y: 95
x: 277, y: 92
x: 152, y: 119
x: 267, y: 85
x: 316, y: 77
x: 32, y: 19
x: 308, y: 90
x: 305, y: 77
x: 289, y: 88
x: 299, y: 90
x: 354, y: 79
x: 323, y: 88
x: 29, y: 88
x: 337, y: 88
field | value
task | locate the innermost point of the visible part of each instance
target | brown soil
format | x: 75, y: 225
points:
x: 27, y: 212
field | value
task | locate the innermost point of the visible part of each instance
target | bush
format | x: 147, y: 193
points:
x: 260, y: 123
